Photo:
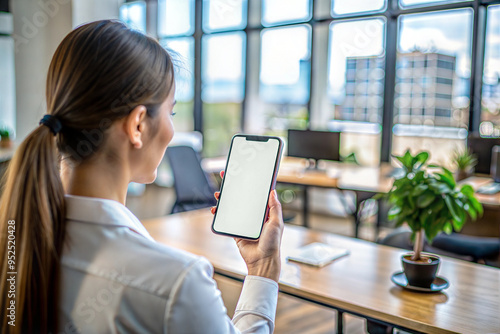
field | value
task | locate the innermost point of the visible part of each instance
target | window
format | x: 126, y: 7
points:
x: 285, y: 70
x: 175, y: 29
x: 285, y: 11
x: 439, y: 46
x: 357, y: 70
x: 182, y: 53
x: 223, y: 15
x: 7, y: 85
x: 345, y: 7
x: 134, y: 15
x: 490, y: 114
x: 285, y: 65
x: 175, y: 17
x: 223, y: 70
x: 418, y: 3
x: 444, y: 81
x: 295, y: 83
x: 223, y: 89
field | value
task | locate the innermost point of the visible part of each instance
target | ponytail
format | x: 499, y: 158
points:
x: 32, y: 215
x: 98, y: 74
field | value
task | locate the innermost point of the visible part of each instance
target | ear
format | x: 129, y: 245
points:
x: 135, y: 125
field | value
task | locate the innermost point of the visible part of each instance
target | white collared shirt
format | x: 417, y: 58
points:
x: 117, y: 279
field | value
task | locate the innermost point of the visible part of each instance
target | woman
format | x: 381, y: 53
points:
x: 83, y: 262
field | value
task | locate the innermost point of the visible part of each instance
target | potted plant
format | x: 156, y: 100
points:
x: 5, y: 138
x: 464, y: 162
x: 429, y: 201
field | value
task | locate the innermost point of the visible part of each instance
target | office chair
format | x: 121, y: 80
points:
x: 459, y: 246
x: 193, y: 189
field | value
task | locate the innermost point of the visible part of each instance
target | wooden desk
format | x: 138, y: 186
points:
x: 488, y: 200
x: 336, y: 174
x: 358, y: 283
x: 365, y: 181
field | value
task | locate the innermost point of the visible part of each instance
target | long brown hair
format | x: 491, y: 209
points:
x: 98, y: 74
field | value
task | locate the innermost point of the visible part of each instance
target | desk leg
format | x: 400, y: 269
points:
x: 340, y: 322
x: 357, y: 215
x: 357, y: 222
x: 380, y: 218
x: 305, y: 208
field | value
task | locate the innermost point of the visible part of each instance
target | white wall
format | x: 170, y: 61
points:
x: 39, y: 27
x: 7, y: 81
x: 91, y: 10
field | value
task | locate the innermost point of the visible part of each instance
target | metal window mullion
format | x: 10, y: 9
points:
x: 312, y: 66
x: 152, y: 18
x: 198, y: 105
x: 477, y: 66
x: 389, y: 82
x: 246, y: 81
x: 435, y: 8
x: 311, y: 77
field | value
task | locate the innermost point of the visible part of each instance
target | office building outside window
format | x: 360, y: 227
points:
x: 390, y: 75
x: 490, y: 107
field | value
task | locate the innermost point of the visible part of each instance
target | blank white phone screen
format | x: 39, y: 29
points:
x: 247, y: 183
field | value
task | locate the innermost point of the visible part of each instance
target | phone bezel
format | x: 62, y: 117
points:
x: 271, y: 186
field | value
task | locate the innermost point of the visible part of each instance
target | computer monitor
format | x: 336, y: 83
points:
x: 317, y: 145
x: 482, y: 147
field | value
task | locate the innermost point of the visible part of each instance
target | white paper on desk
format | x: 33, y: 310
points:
x: 317, y: 254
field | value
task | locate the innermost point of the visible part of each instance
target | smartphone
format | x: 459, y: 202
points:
x: 250, y: 175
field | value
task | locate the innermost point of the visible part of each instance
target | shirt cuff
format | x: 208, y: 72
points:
x: 259, y: 296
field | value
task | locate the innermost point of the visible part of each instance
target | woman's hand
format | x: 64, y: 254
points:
x: 262, y: 256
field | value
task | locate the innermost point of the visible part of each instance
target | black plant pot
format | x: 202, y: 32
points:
x: 420, y: 274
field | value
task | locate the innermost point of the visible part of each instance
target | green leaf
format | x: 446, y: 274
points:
x: 420, y: 159
x: 425, y: 199
x: 437, y: 206
x: 449, y: 204
x: 470, y: 210
x: 411, y: 202
x: 407, y: 158
x: 431, y: 230
x: 447, y: 228
x: 446, y: 177
x: 439, y: 188
x: 394, y: 212
x: 467, y: 190
x: 419, y: 189
x: 476, y: 205
x: 400, y: 159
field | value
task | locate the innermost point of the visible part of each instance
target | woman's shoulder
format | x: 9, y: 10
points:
x: 128, y: 258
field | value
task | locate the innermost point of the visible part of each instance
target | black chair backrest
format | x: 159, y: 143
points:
x: 192, y: 186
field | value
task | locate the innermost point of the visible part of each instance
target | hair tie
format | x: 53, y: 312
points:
x: 52, y: 123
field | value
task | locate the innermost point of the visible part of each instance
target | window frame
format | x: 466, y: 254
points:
x: 392, y: 12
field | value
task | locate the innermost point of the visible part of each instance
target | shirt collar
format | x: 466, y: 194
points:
x: 103, y: 211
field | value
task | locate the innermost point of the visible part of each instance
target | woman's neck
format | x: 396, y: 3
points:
x: 98, y: 178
